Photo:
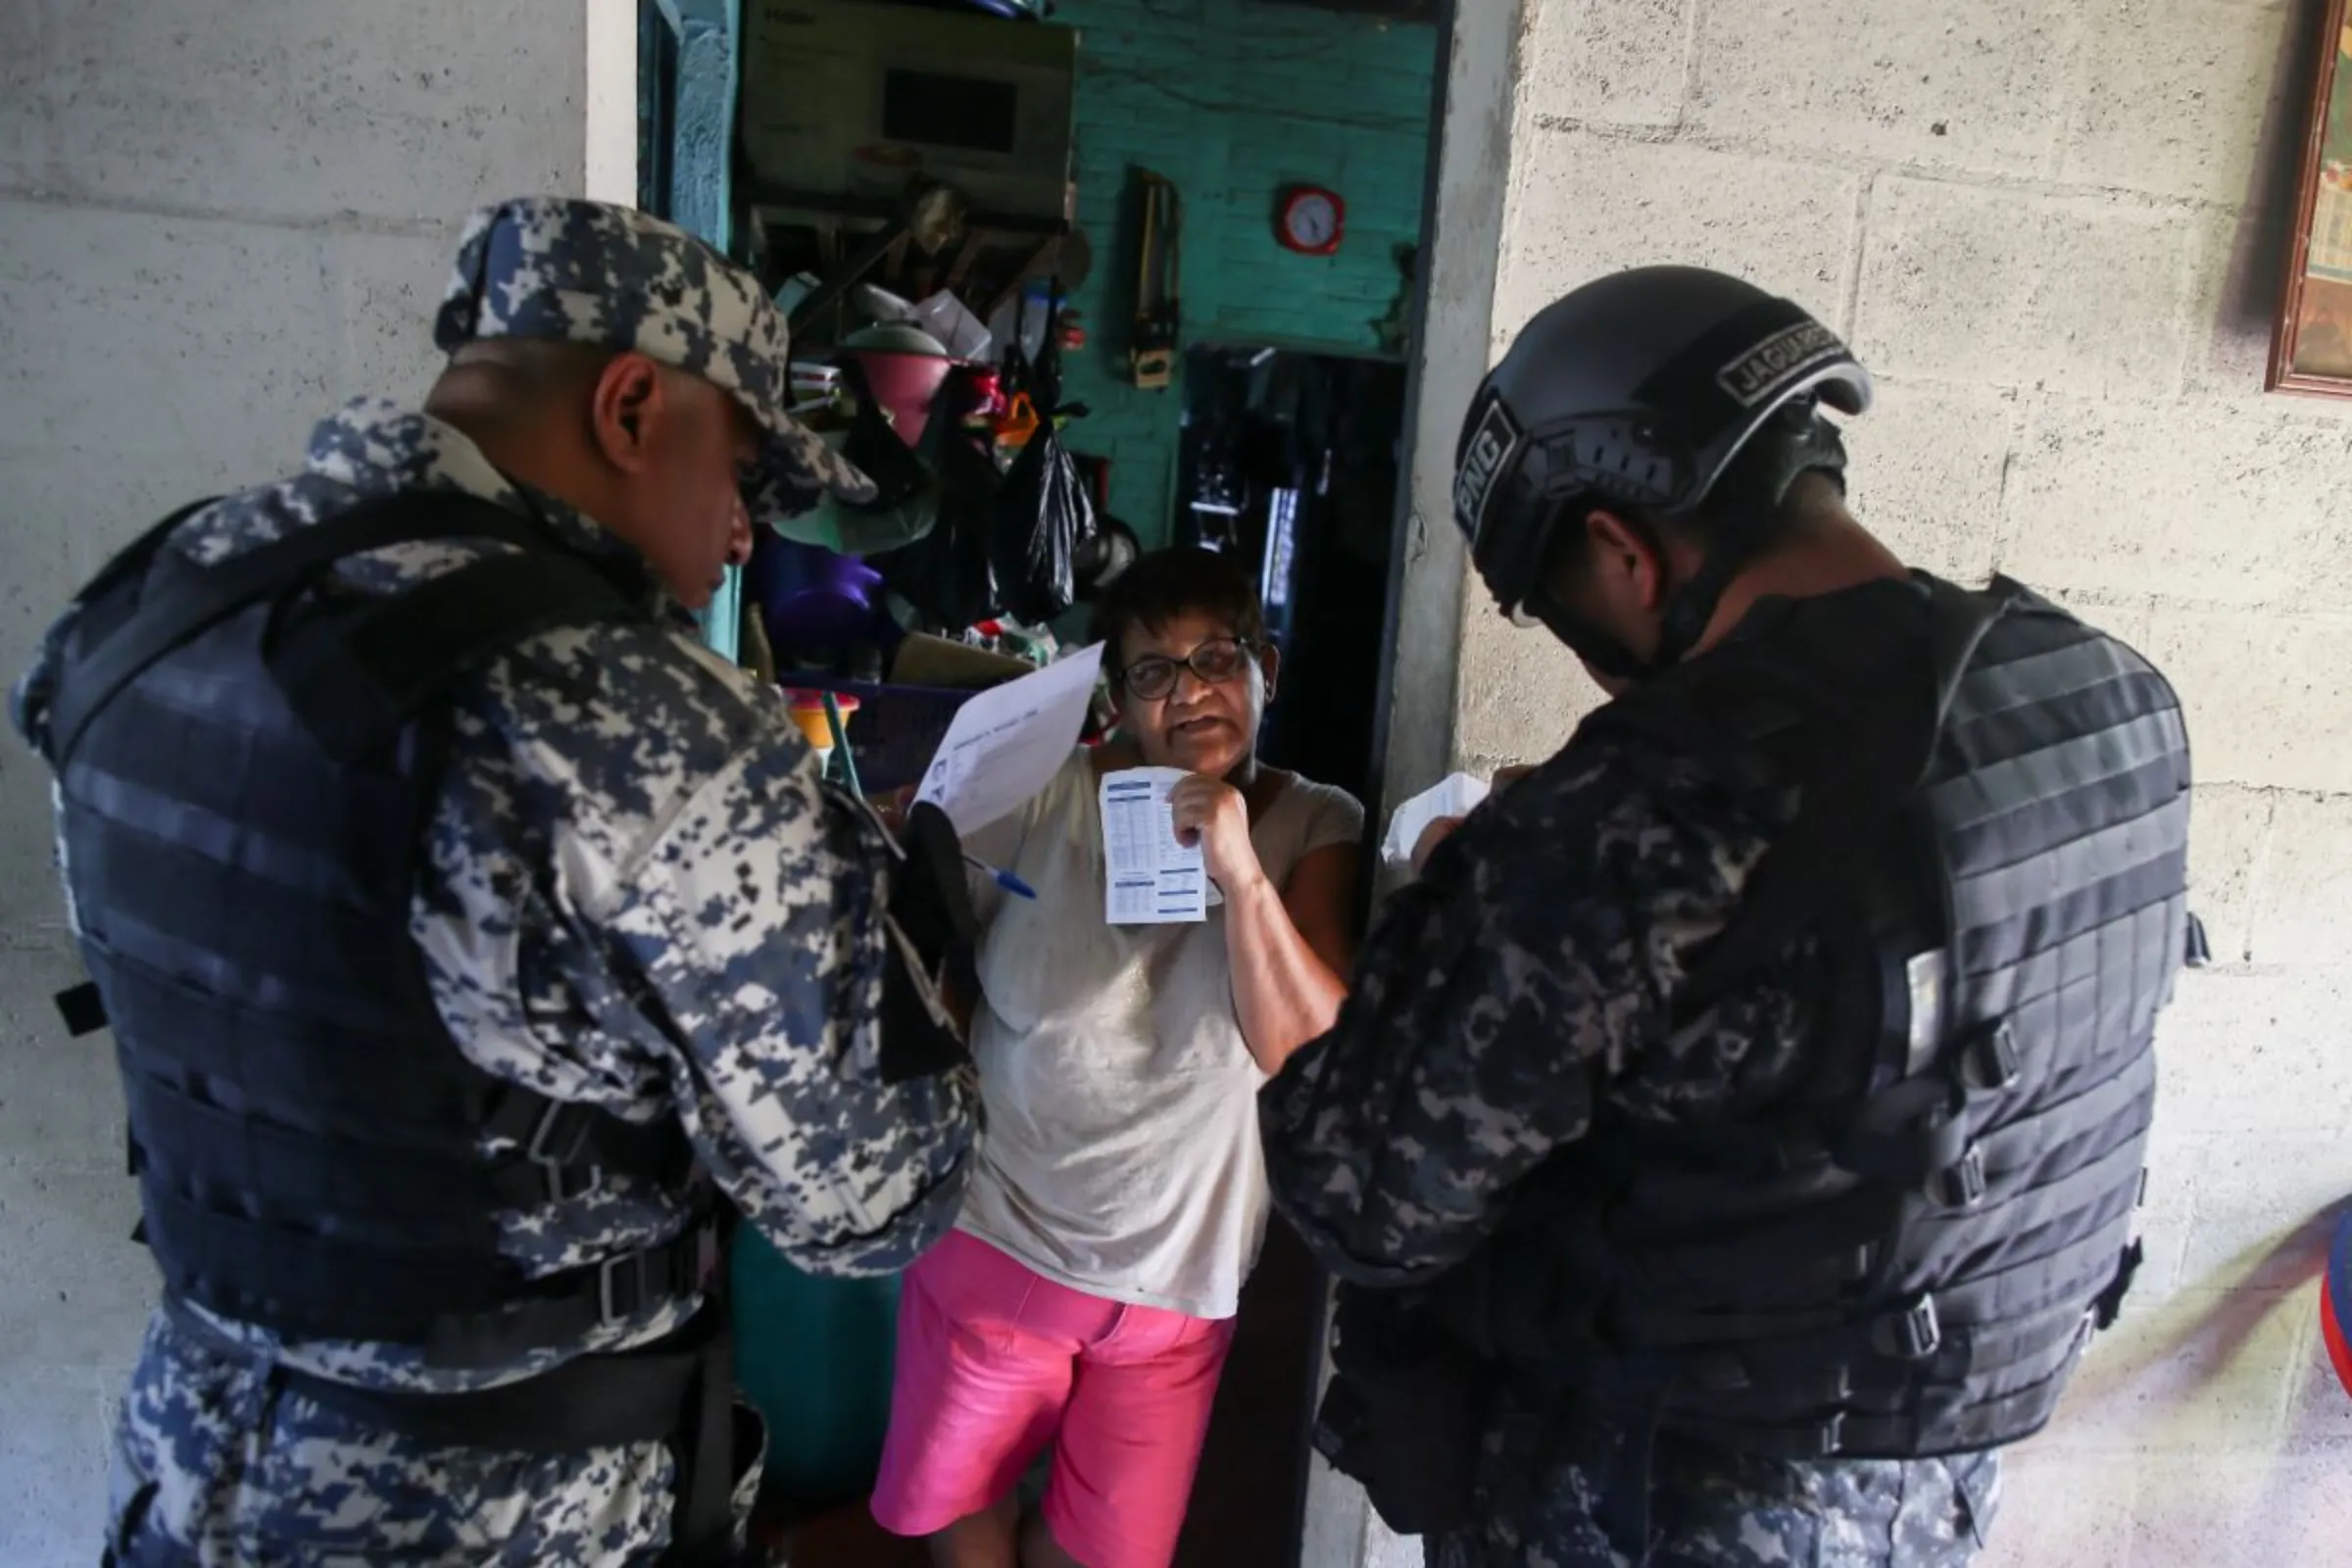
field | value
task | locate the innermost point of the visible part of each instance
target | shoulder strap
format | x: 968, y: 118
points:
x: 1859, y: 752
x: 355, y: 679
x: 133, y: 557
x: 184, y: 609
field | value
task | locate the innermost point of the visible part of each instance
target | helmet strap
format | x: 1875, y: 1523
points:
x: 1604, y: 654
x: 1689, y: 607
x: 1760, y: 478
x: 1692, y: 607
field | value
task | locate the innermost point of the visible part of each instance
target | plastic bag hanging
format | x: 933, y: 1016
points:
x: 1045, y: 513
x: 1043, y: 518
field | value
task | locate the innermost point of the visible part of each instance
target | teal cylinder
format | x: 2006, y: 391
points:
x: 815, y: 1358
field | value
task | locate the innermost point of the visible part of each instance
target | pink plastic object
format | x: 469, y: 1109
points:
x: 906, y: 385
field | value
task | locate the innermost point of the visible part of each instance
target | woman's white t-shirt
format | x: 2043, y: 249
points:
x: 1120, y: 1155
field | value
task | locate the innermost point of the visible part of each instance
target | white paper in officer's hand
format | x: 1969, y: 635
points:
x: 1457, y: 795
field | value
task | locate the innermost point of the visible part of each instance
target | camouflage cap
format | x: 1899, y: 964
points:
x: 582, y: 271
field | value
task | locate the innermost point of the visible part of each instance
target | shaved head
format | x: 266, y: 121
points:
x: 511, y: 381
x: 655, y: 454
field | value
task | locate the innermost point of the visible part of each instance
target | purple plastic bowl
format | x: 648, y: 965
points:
x: 808, y: 594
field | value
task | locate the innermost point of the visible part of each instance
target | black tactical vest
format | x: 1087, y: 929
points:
x: 1904, y: 1255
x: 247, y: 758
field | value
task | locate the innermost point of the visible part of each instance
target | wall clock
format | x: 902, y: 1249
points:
x: 1310, y: 221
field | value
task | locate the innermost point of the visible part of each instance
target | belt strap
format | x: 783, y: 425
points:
x: 453, y: 1301
x: 701, y: 1527
x: 590, y: 1401
x: 678, y: 1390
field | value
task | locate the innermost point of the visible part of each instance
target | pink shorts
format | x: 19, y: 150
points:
x: 996, y: 1362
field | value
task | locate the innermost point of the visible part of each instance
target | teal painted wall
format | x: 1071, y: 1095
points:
x: 710, y: 34
x: 1234, y: 100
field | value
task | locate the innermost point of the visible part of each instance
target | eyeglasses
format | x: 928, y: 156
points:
x: 1216, y: 661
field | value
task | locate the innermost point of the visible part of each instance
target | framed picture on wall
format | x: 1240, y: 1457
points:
x: 2310, y: 344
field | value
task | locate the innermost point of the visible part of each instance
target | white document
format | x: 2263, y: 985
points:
x: 1149, y: 879
x: 1007, y: 743
x: 1458, y: 794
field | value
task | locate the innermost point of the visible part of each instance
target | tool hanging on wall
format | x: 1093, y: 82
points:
x: 1151, y: 354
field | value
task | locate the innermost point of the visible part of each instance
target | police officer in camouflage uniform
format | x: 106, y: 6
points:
x: 1733, y: 1136
x: 475, y: 942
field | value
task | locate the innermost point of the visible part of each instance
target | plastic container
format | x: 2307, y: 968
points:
x: 898, y: 727
x: 905, y: 368
x: 906, y: 385
x: 809, y: 596
x: 944, y: 318
x: 807, y: 709
x: 860, y: 531
x: 1032, y: 322
x: 815, y: 1358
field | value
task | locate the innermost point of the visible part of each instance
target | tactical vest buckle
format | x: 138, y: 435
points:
x: 1988, y: 1060
x: 557, y: 1143
x: 2109, y: 1306
x: 82, y: 1009
x: 627, y: 1285
x: 1961, y: 1184
x: 568, y: 1182
x: 622, y: 1287
x: 559, y: 1135
x: 2198, y: 947
x: 1911, y: 1335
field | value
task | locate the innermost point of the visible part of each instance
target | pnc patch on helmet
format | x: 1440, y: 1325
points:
x: 1484, y: 458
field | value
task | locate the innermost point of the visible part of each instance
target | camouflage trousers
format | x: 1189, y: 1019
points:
x: 1710, y: 1509
x: 215, y: 1466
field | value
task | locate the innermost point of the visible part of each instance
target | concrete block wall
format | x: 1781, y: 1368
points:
x: 1234, y: 100
x: 2053, y: 232
x: 216, y: 220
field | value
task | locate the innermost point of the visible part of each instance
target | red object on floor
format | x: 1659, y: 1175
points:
x: 2331, y: 1324
x: 2336, y: 1303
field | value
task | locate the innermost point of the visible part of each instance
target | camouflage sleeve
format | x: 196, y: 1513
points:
x: 1496, y: 1000
x: 757, y: 924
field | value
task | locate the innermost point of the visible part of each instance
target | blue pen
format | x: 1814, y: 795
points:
x: 1003, y: 880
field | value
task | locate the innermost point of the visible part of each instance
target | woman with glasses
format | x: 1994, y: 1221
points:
x: 1087, y: 1297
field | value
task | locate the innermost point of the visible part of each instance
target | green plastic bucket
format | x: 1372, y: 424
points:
x: 814, y: 1357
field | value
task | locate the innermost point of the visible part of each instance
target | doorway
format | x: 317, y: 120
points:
x: 1290, y: 464
x: 1294, y: 412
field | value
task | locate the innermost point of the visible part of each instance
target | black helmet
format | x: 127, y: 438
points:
x: 1653, y: 388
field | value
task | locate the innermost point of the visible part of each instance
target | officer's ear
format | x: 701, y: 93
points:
x: 1627, y: 561
x: 625, y: 408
